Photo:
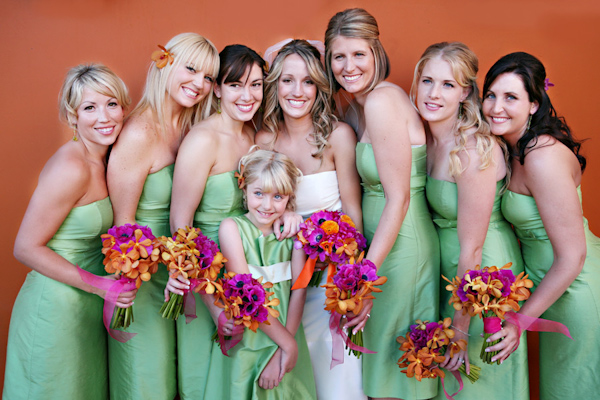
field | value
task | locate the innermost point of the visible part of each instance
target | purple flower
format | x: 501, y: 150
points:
x: 124, y: 234
x: 316, y: 237
x: 368, y: 271
x: 207, y: 249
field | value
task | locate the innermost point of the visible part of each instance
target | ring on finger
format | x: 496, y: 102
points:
x: 368, y: 315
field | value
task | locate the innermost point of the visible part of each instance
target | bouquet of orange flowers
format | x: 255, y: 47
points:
x: 490, y: 292
x: 246, y: 301
x: 130, y: 252
x: 194, y: 256
x: 327, y: 236
x: 425, y: 346
x: 352, y: 284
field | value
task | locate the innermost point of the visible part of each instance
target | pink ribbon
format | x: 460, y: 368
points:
x: 113, y: 289
x: 527, y: 323
x: 237, y: 334
x: 189, y: 301
x: 338, y: 338
x: 460, y: 382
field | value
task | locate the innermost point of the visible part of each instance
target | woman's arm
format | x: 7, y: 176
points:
x: 343, y: 144
x: 63, y: 182
x: 129, y: 165
x: 195, y: 160
x: 298, y: 296
x: 550, y: 177
x: 387, y: 127
x: 476, y: 193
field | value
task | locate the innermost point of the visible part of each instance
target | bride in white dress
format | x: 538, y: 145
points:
x: 298, y: 122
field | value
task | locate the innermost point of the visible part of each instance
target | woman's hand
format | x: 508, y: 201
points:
x: 124, y: 300
x: 509, y: 343
x: 270, y: 376
x: 291, y: 225
x: 176, y: 286
x: 460, y: 358
x: 359, y: 321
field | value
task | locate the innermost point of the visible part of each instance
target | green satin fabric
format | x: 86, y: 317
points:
x: 568, y: 368
x: 500, y: 247
x: 145, y: 366
x: 221, y: 199
x: 412, y: 269
x: 239, y: 373
x: 56, y: 339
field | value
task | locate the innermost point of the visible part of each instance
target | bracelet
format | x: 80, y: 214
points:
x: 460, y: 330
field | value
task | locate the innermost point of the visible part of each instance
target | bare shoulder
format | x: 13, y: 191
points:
x: 387, y: 94
x: 342, y: 135
x: 202, y: 134
x: 549, y: 156
x: 67, y: 170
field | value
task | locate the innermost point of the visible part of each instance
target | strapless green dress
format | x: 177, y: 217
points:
x: 269, y: 258
x: 221, y: 199
x: 569, y: 369
x: 412, y: 268
x: 145, y: 366
x: 511, y: 379
x: 56, y: 340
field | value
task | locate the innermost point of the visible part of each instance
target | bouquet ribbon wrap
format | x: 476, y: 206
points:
x: 460, y: 383
x: 338, y: 338
x: 307, y: 273
x: 227, y: 344
x: 526, y: 323
x: 113, y: 289
x: 189, y: 301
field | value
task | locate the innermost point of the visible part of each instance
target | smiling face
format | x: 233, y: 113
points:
x: 296, y: 90
x: 507, y: 108
x: 438, y: 93
x: 189, y: 85
x: 264, y: 207
x: 352, y: 63
x: 241, y: 99
x: 99, y: 118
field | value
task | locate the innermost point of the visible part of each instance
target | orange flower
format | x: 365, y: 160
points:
x: 240, y: 176
x: 345, y: 218
x: 330, y: 227
x: 162, y: 57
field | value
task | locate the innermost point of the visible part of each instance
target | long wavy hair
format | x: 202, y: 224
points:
x: 464, y: 65
x: 545, y: 120
x: 359, y: 24
x: 322, y: 110
x: 189, y: 49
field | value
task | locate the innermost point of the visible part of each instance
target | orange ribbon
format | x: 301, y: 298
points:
x: 330, y: 272
x: 306, y: 274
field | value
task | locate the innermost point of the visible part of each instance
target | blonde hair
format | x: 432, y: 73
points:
x: 276, y: 171
x: 464, y: 65
x: 359, y: 24
x: 189, y: 49
x: 96, y: 77
x: 321, y: 112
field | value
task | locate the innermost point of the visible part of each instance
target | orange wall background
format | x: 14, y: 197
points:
x: 42, y: 39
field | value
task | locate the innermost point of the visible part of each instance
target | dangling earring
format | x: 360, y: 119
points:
x: 218, y: 105
x: 529, y: 122
x: 75, y: 134
x: 460, y: 110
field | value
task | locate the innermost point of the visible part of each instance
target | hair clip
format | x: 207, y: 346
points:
x: 162, y: 57
x: 547, y: 84
x: 240, y: 177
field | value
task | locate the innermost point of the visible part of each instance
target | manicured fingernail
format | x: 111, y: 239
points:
x: 362, y: 329
x: 132, y: 303
x: 487, y: 350
x: 501, y: 362
x: 493, y: 359
x: 488, y: 340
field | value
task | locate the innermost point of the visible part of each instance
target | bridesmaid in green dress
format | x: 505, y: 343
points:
x: 390, y: 159
x: 466, y: 171
x: 56, y: 340
x: 205, y: 192
x: 178, y: 93
x: 562, y: 256
x: 272, y: 363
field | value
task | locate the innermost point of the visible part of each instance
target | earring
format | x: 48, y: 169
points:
x: 460, y: 110
x: 529, y: 122
x: 75, y: 134
x: 218, y: 105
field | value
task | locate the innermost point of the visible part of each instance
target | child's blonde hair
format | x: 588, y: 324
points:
x: 276, y: 171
